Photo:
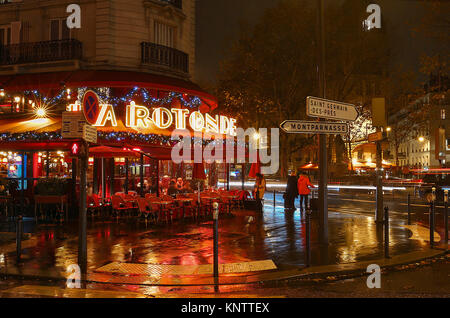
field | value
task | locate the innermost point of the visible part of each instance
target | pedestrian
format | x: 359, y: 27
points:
x: 180, y: 184
x: 304, y: 185
x: 291, y: 191
x: 172, y: 190
x: 259, y: 190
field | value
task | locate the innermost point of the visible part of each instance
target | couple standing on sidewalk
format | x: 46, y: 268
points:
x: 295, y: 187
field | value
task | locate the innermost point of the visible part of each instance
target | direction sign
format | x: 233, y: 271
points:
x: 90, y: 133
x: 314, y: 127
x: 72, y: 125
x: 323, y: 108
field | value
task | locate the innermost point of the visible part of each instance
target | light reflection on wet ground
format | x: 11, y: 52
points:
x: 273, y: 235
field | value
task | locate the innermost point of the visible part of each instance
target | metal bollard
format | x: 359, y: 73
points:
x: 308, y: 238
x: 216, y: 245
x: 409, y: 208
x: 446, y: 218
x: 431, y: 217
x: 19, y: 232
x: 386, y: 232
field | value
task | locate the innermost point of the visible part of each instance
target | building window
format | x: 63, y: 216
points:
x: 442, y: 113
x: 164, y: 34
x: 5, y: 35
x: 59, y: 30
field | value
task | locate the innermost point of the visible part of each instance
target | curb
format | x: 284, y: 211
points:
x: 315, y: 273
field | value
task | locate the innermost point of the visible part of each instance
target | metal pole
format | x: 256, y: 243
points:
x: 323, y: 155
x: 157, y: 179
x: 409, y: 209
x: 386, y: 232
x: 82, y: 241
x: 216, y: 245
x: 446, y: 218
x: 19, y: 231
x: 308, y: 238
x: 141, y: 173
x: 103, y: 180
x: 228, y: 175
x: 431, y: 224
x: 432, y: 206
x: 274, y: 197
x: 126, y: 175
x: 22, y: 185
x: 243, y: 176
x: 379, y: 184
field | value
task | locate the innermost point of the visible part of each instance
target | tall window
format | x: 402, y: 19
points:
x: 5, y: 35
x: 164, y: 34
x: 59, y: 30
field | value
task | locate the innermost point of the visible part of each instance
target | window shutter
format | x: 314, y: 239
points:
x: 15, y: 32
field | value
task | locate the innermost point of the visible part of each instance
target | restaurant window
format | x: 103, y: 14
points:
x: 59, y: 30
x: 5, y: 35
x: 164, y: 34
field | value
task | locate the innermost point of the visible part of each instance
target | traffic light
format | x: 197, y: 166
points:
x: 75, y: 149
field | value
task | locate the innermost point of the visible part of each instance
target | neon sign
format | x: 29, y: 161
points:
x: 137, y: 116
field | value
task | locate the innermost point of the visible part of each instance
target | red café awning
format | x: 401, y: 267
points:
x: 47, y: 82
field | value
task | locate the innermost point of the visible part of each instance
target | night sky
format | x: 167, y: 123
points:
x: 218, y: 25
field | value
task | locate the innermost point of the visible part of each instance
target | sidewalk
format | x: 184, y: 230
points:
x: 253, y: 248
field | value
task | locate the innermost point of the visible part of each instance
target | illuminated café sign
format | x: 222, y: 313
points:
x: 141, y: 117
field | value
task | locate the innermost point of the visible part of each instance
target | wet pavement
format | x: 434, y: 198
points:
x: 245, y: 237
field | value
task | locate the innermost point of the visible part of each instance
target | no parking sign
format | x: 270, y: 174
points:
x: 91, y: 107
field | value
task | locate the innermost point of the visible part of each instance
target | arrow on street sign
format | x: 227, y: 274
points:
x: 314, y: 127
x: 323, y: 108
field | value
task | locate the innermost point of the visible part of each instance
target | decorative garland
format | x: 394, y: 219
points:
x: 152, y: 139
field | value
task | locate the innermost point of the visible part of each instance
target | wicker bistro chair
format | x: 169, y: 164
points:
x: 93, y: 205
x: 144, y: 209
x: 119, y: 206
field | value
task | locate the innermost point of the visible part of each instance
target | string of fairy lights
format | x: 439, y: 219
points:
x: 106, y: 96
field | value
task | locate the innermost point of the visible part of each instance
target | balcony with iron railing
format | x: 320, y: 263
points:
x: 176, y: 3
x: 168, y: 57
x: 36, y: 52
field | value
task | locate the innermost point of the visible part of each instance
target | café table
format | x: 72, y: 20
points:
x: 230, y: 197
x: 210, y: 199
x: 164, y: 205
x: 184, y: 202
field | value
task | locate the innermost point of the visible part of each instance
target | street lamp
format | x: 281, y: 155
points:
x: 388, y: 129
x: 421, y: 139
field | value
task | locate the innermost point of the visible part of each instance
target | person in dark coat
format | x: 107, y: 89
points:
x: 291, y: 192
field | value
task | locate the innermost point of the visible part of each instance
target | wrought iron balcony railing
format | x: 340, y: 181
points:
x: 176, y: 3
x: 152, y: 53
x: 35, y: 52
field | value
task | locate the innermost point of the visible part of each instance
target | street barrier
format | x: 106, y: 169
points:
x: 19, y: 233
x: 216, y: 244
x: 386, y: 232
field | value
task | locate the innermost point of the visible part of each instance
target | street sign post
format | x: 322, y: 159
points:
x: 313, y: 127
x: 328, y: 109
x: 72, y: 125
x: 90, y: 133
